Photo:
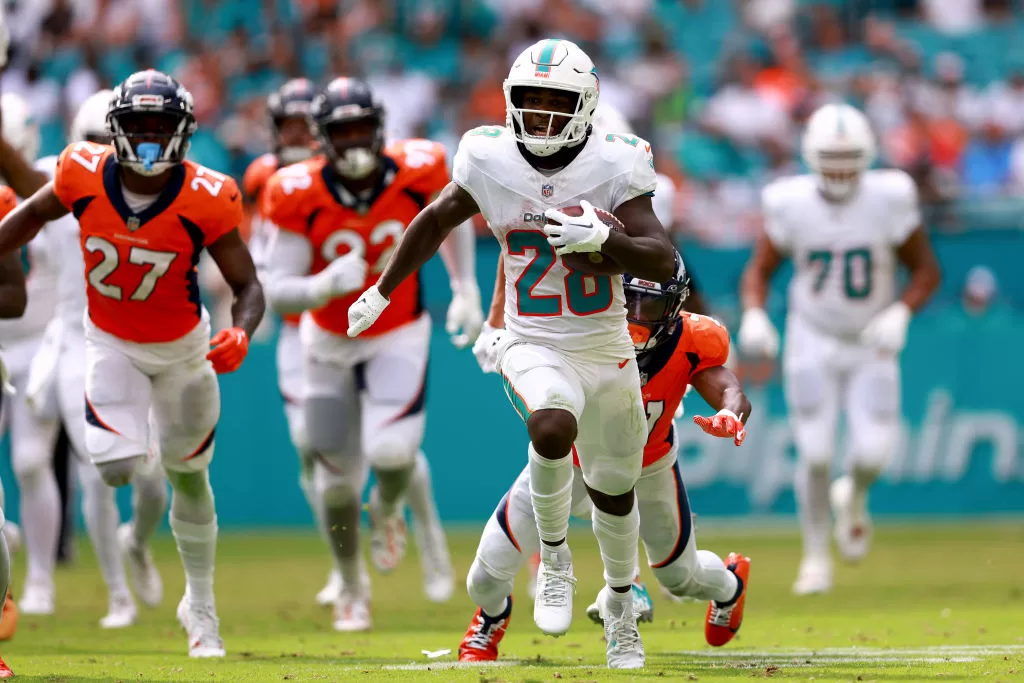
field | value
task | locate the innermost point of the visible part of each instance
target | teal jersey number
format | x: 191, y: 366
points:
x: 585, y: 294
x: 856, y: 271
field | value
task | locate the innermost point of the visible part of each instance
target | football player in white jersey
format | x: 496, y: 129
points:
x: 33, y: 434
x: 67, y: 359
x: 846, y: 229
x: 567, y: 361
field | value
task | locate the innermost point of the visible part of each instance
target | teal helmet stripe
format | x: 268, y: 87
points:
x: 547, y: 54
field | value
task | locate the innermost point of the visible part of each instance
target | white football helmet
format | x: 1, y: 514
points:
x: 91, y: 120
x: 19, y: 126
x: 560, y: 65
x: 838, y: 146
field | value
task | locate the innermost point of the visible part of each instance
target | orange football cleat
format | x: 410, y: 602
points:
x: 723, y: 620
x: 9, y: 620
x: 480, y: 644
x: 5, y: 671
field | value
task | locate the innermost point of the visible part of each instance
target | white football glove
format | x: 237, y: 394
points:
x: 365, y: 311
x: 343, y: 275
x: 465, y: 317
x: 757, y: 335
x: 486, y: 347
x: 887, y: 331
x: 585, y: 233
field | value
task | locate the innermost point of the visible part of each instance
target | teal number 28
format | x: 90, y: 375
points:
x: 585, y: 294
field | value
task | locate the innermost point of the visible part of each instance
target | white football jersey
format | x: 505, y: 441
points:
x: 41, y: 279
x: 63, y: 239
x: 545, y: 301
x: 843, y: 254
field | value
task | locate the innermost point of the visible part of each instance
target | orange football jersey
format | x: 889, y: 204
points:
x: 307, y: 198
x: 8, y: 200
x: 699, y: 342
x: 253, y: 183
x: 140, y: 269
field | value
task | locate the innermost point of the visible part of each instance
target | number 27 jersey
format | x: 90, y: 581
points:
x: 140, y: 268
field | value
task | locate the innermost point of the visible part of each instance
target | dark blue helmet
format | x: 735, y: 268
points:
x: 653, y: 308
x: 293, y: 100
x: 151, y: 120
x: 349, y: 121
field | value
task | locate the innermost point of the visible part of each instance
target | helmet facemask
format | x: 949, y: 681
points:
x: 151, y: 142
x: 839, y: 172
x: 652, y: 313
x: 548, y: 118
x: 353, y: 144
x: 295, y: 140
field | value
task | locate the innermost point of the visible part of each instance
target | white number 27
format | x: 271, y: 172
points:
x: 211, y: 186
x: 159, y: 260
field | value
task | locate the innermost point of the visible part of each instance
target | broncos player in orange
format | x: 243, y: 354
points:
x: 675, y: 349
x: 145, y: 215
x: 339, y: 217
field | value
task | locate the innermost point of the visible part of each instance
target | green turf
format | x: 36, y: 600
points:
x: 930, y: 603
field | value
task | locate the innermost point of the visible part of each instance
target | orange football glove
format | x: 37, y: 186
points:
x: 229, y: 350
x: 724, y: 424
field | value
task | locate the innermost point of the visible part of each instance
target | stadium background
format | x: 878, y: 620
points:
x: 721, y: 89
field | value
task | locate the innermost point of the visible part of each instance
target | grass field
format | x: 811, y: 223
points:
x: 930, y: 603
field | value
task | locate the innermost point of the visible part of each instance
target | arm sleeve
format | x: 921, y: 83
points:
x: 287, y: 283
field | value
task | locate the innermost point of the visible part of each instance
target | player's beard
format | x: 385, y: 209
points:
x: 356, y: 163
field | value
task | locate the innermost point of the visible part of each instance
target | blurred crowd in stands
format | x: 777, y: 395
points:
x: 721, y: 87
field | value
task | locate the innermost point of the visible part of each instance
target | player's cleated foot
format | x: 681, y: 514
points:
x: 643, y: 606
x: 480, y: 644
x: 552, y: 608
x: 142, y: 571
x: 9, y: 620
x: 328, y: 595
x: 724, y: 619
x: 534, y: 566
x: 435, y: 562
x: 5, y: 671
x: 121, y: 613
x: 200, y: 622
x: 352, y: 612
x: 387, y: 535
x: 37, y: 600
x: 624, y: 649
x: 12, y: 534
x: 815, y: 575
x: 852, y: 528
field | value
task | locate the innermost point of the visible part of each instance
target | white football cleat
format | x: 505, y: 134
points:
x: 352, y: 612
x: 852, y: 527
x: 624, y: 649
x: 203, y: 628
x: 643, y: 606
x: 121, y: 612
x: 142, y: 570
x: 552, y: 608
x: 328, y: 595
x: 815, y: 575
x: 12, y: 533
x: 37, y: 600
x: 435, y: 562
x: 387, y: 535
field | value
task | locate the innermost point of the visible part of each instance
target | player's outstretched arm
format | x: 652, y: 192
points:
x: 13, y: 297
x: 493, y: 332
x: 917, y: 255
x: 645, y: 250
x: 18, y: 172
x: 235, y: 263
x: 23, y: 223
x: 465, y: 317
x: 720, y: 387
x: 757, y: 336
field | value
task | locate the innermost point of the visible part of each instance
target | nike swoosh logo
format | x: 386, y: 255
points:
x: 623, y: 363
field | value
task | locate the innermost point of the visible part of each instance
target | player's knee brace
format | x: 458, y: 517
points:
x: 118, y: 473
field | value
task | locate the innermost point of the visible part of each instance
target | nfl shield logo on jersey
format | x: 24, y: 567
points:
x: 133, y: 223
x: 547, y: 190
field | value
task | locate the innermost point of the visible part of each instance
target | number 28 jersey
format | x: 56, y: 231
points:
x: 140, y: 268
x: 545, y: 301
x: 307, y: 199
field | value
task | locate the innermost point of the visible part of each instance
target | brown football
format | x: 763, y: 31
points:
x: 593, y: 262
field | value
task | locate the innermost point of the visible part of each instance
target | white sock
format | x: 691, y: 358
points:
x: 99, y: 508
x: 863, y: 477
x: 392, y: 485
x: 5, y: 568
x: 197, y: 546
x: 488, y: 592
x: 40, y: 522
x: 149, y: 504
x: 551, y: 493
x: 618, y: 538
x: 811, y: 488
x: 710, y: 580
